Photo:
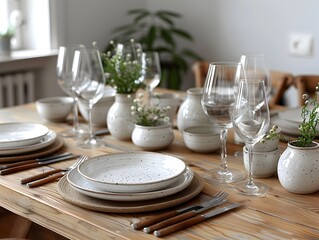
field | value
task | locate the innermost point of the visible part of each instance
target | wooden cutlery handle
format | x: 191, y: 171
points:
x: 39, y: 176
x: 169, y: 221
x: 19, y: 168
x: 179, y: 226
x: 149, y: 221
x: 10, y: 165
x: 45, y: 180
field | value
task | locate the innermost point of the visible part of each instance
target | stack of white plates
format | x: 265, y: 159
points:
x: 18, y: 138
x: 131, y: 176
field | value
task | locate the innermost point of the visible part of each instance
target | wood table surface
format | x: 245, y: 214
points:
x: 278, y: 215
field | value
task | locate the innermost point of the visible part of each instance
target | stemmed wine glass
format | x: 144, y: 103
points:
x: 89, y: 81
x: 218, y: 100
x: 255, y: 67
x: 65, y: 81
x: 251, y: 122
x: 152, y: 75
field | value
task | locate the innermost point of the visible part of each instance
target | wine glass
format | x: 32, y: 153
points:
x: 152, y: 72
x: 251, y: 121
x: 255, y: 67
x: 89, y: 81
x: 218, y: 100
x: 65, y: 81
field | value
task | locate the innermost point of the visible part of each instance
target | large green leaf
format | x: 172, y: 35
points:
x: 140, y: 17
x: 182, y: 33
x: 191, y: 54
x: 167, y: 36
x: 137, y: 11
x: 166, y: 19
x: 181, y: 63
x: 151, y: 36
x: 168, y: 13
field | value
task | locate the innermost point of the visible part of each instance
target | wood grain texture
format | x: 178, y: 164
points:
x: 279, y: 215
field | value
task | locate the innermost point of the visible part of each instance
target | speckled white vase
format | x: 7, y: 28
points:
x: 191, y: 113
x: 152, y: 138
x: 119, y: 120
x: 298, y: 169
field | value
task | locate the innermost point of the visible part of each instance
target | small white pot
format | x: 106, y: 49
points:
x: 298, y: 169
x: 268, y: 145
x: 152, y: 138
x: 264, y: 164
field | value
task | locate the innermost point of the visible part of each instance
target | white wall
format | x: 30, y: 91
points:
x: 224, y: 29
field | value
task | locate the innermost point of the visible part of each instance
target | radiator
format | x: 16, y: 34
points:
x: 16, y: 89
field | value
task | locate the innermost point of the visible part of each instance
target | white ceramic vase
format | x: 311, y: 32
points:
x: 298, y: 169
x: 190, y: 112
x: 152, y: 138
x: 119, y: 120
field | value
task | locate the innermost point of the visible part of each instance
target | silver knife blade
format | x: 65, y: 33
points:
x: 53, y: 157
x: 221, y: 210
x: 59, y: 159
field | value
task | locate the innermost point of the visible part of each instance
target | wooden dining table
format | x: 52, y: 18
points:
x: 277, y: 215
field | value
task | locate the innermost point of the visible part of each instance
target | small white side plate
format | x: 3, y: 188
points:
x: 21, y: 134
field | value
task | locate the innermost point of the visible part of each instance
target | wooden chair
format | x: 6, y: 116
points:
x: 306, y: 84
x: 280, y: 81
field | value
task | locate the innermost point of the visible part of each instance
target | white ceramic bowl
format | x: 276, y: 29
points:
x: 264, y: 164
x: 54, y: 109
x: 101, y: 108
x: 202, y: 139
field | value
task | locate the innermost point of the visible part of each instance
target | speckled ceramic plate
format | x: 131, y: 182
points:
x: 80, y: 184
x: 74, y: 197
x: 47, y: 140
x: 132, y: 171
x: 21, y: 134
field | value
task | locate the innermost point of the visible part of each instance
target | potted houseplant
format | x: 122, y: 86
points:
x: 157, y: 31
x: 152, y: 127
x: 298, y: 166
x: 123, y: 74
x: 5, y: 40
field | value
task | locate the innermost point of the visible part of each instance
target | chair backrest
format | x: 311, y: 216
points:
x: 200, y: 70
x: 280, y: 82
x: 306, y: 84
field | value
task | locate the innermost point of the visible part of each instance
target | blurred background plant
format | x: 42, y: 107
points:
x: 157, y: 31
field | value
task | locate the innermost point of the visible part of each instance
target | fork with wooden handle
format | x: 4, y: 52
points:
x: 49, y: 176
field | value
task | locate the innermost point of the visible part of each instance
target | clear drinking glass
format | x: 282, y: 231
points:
x: 251, y: 121
x: 89, y: 81
x: 218, y: 100
x: 65, y: 81
x: 152, y: 74
x: 255, y: 67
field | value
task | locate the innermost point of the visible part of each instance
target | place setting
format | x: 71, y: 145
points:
x: 26, y: 140
x: 130, y: 182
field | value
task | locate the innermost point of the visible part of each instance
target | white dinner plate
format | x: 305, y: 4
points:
x: 291, y: 115
x: 132, y: 171
x: 47, y: 140
x: 80, y: 184
x: 21, y: 134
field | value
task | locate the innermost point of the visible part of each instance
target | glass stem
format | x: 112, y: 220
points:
x: 223, y: 154
x: 75, y: 115
x: 149, y: 94
x: 250, y: 182
x: 89, y: 108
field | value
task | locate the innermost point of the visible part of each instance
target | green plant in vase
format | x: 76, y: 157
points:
x: 157, y: 31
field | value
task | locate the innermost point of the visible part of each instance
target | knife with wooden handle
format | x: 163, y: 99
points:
x: 181, y: 217
x: 10, y: 165
x: 194, y: 220
x: 34, y: 165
